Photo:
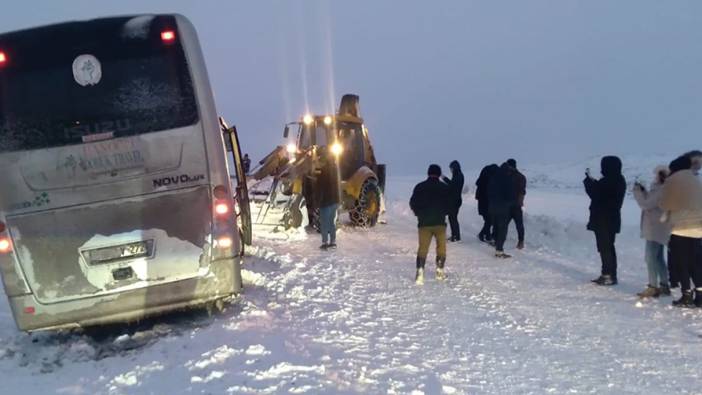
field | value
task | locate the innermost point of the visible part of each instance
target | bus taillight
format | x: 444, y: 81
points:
x: 5, y: 245
x: 168, y: 36
x: 3, y: 58
x: 221, y: 208
x: 224, y: 242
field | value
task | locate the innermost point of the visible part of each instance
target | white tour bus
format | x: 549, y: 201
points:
x: 115, y: 195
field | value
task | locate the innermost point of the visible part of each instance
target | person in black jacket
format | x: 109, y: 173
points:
x: 503, y: 197
x: 481, y: 195
x: 455, y: 199
x: 328, y: 200
x: 246, y: 163
x: 516, y: 214
x: 607, y: 197
x: 430, y: 203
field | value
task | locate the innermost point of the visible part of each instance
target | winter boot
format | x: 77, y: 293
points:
x: 324, y: 247
x: 664, y: 290
x: 332, y: 246
x: 698, y: 297
x: 419, y: 277
x: 606, y: 280
x: 685, y: 300
x: 520, y: 245
x: 440, y: 262
x: 597, y: 280
x: 649, y: 292
x: 501, y: 254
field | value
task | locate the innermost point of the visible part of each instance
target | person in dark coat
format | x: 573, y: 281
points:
x: 430, y: 203
x: 606, y: 200
x: 481, y: 195
x: 246, y: 163
x: 516, y: 214
x: 456, y: 200
x: 328, y: 200
x: 502, y: 197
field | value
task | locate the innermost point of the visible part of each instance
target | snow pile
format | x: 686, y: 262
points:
x: 352, y: 321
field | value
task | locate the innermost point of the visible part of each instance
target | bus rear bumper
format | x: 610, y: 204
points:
x: 223, y: 283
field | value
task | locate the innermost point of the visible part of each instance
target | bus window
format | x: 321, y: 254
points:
x: 115, y: 84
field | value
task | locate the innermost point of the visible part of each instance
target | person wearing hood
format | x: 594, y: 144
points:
x: 606, y: 200
x: 455, y: 184
x: 502, y: 197
x: 682, y: 202
x: 655, y: 232
x: 481, y: 195
x: 430, y: 203
x: 516, y: 213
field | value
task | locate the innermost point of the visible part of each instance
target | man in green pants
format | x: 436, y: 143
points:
x: 430, y: 203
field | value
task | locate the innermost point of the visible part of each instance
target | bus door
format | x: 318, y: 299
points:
x: 241, y: 191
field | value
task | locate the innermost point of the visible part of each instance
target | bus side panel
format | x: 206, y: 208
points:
x: 214, y: 143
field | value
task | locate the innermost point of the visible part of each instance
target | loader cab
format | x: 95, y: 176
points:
x: 346, y: 133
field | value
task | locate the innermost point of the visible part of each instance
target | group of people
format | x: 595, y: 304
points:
x: 500, y: 194
x: 671, y: 216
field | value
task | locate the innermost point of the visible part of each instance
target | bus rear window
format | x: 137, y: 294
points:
x: 78, y: 82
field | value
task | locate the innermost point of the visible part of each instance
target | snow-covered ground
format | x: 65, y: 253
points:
x: 352, y: 321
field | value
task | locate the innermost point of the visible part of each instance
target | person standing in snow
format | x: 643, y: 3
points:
x: 696, y: 159
x: 516, y: 214
x: 481, y: 195
x: 606, y: 200
x: 503, y: 197
x: 328, y: 200
x: 246, y: 163
x: 655, y: 232
x: 430, y: 203
x: 456, y: 200
x: 682, y: 202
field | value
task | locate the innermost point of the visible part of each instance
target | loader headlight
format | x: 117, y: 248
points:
x: 292, y: 149
x: 337, y: 149
x: 327, y: 120
x: 308, y: 119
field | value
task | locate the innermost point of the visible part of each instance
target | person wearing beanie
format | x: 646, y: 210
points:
x: 655, y: 232
x: 455, y: 184
x: 516, y: 213
x: 681, y: 201
x: 606, y: 201
x: 430, y: 203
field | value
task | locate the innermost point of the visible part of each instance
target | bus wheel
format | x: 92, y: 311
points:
x: 366, y: 209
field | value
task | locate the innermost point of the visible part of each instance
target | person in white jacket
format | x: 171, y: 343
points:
x: 682, y: 202
x: 655, y: 232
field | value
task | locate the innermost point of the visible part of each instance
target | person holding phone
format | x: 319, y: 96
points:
x: 606, y: 200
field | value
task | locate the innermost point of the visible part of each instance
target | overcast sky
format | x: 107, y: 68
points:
x: 477, y: 81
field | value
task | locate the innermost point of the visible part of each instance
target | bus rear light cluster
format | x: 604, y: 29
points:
x: 5, y: 242
x: 3, y: 58
x: 221, y: 209
x: 224, y: 242
x: 29, y: 310
x: 168, y: 36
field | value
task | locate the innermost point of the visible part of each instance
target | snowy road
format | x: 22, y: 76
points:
x: 352, y: 321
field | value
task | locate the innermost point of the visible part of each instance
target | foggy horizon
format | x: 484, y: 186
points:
x: 478, y: 81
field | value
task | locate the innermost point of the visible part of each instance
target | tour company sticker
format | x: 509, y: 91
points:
x: 87, y: 70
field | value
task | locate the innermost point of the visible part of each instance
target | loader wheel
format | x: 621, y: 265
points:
x: 366, y: 209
